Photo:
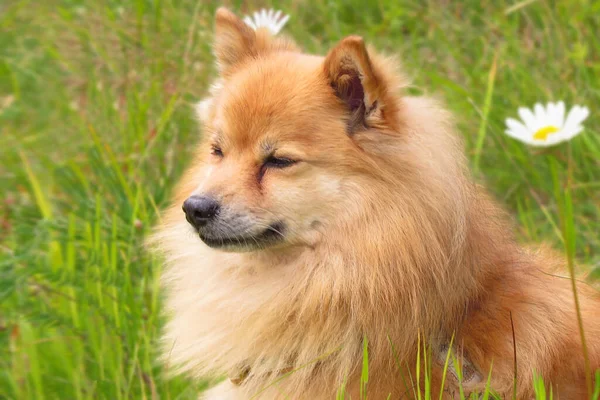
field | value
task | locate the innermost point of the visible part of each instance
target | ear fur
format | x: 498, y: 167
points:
x: 234, y: 40
x: 350, y: 72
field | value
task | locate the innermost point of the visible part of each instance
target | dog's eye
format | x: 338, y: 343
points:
x: 216, y: 151
x: 276, y: 162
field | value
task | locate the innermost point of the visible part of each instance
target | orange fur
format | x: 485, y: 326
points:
x: 387, y: 238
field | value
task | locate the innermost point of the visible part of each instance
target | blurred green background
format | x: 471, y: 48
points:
x: 96, y: 125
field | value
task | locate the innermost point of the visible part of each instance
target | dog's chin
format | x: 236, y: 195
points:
x: 273, y: 236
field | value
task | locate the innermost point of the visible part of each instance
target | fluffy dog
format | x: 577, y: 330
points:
x: 326, y: 212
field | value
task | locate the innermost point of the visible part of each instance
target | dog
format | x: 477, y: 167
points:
x: 328, y: 218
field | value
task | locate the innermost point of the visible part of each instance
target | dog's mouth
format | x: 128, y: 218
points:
x: 273, y: 234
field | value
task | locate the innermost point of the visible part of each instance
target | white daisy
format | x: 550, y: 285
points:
x: 271, y: 19
x: 547, y: 126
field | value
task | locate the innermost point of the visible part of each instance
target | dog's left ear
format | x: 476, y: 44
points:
x: 351, y: 74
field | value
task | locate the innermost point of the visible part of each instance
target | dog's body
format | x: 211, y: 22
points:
x: 379, y: 234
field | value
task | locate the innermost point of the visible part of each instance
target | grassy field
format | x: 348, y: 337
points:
x: 96, y: 126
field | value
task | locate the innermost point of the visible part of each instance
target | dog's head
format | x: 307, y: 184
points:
x: 285, y: 134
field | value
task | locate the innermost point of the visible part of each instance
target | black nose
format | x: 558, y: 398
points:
x: 199, y: 210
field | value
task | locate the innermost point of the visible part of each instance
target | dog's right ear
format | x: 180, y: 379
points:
x: 234, y: 40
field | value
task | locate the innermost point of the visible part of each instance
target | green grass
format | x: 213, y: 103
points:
x: 96, y: 126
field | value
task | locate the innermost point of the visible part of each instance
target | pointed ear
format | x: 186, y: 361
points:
x: 350, y: 73
x: 234, y: 40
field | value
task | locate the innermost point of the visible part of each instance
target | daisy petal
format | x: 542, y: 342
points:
x: 516, y: 129
x: 560, y: 114
x: 551, y: 114
x: 263, y: 15
x: 282, y: 23
x: 551, y: 141
x: 516, y: 135
x: 568, y: 135
x: 576, y: 131
x: 576, y: 116
x: 249, y: 22
x: 540, y: 114
x: 528, y: 118
x: 555, y: 138
x: 585, y: 112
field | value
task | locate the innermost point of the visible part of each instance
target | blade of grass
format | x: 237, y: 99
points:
x: 446, y: 367
x: 515, y: 364
x: 40, y: 199
x: 596, y: 394
x: 486, y: 393
x: 418, y: 368
x: 364, y: 375
x: 486, y: 111
x: 399, y: 366
x: 518, y: 6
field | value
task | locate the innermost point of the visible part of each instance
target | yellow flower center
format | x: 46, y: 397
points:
x: 542, y: 133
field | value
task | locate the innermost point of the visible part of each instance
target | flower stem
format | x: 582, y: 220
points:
x: 569, y: 234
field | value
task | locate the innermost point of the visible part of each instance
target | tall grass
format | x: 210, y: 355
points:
x: 96, y: 127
